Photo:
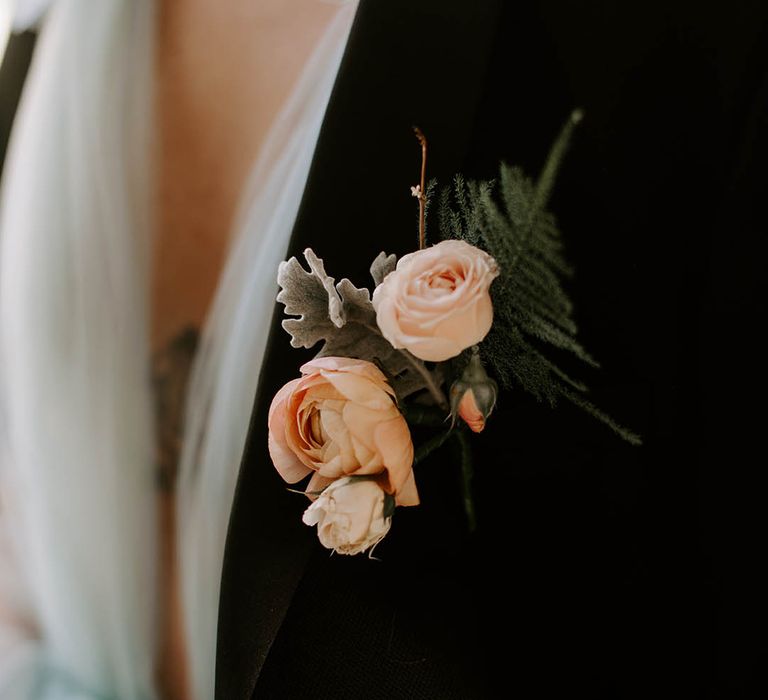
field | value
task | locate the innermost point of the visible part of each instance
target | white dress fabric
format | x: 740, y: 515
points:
x: 78, y: 555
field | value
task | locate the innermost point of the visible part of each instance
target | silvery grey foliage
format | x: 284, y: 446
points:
x: 382, y: 266
x: 342, y: 317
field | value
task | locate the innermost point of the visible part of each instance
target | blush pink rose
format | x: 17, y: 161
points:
x: 436, y: 302
x: 340, y: 419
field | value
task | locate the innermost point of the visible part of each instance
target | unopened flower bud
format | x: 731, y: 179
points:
x: 473, y: 395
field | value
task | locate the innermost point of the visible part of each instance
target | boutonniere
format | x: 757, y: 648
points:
x: 448, y: 327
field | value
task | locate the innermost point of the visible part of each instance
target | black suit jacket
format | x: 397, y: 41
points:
x: 597, y: 568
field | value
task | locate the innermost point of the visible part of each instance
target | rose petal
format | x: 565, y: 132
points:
x: 360, y: 389
x: 470, y: 326
x: 293, y: 437
x: 362, y: 422
x: 343, y: 364
x: 393, y: 440
x: 286, y: 463
x: 408, y: 494
x: 314, y: 513
x: 359, y: 502
x: 338, y: 435
x: 368, y: 459
x: 318, y: 482
x: 431, y: 349
x: 283, y: 457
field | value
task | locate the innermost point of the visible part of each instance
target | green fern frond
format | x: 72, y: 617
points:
x: 533, y: 314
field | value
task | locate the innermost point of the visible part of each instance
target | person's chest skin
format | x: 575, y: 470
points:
x: 222, y: 72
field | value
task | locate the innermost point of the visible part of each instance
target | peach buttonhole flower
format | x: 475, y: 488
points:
x: 339, y: 419
x: 436, y: 302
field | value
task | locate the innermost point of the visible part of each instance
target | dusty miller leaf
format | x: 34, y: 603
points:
x: 382, y: 266
x: 342, y: 317
x: 311, y: 296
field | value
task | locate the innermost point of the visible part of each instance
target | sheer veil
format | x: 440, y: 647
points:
x: 76, y: 431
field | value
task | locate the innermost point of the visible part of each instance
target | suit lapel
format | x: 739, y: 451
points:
x: 13, y: 74
x: 405, y: 64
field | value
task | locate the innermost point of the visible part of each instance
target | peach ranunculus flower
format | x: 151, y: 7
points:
x: 340, y: 419
x: 352, y: 515
x: 436, y: 302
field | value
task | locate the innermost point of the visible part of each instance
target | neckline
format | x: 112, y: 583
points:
x: 265, y: 154
x: 286, y: 145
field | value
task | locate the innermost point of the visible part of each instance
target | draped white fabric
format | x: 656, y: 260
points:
x: 19, y: 15
x: 77, y: 498
x: 26, y: 13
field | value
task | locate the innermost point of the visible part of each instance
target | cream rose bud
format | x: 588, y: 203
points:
x: 352, y: 515
x: 436, y: 302
x: 340, y: 419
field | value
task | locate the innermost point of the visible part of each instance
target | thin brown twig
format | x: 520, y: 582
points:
x: 422, y: 193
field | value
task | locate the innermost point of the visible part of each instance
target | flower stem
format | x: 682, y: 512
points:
x: 422, y: 193
x: 429, y: 379
x: 467, y: 472
x: 431, y: 384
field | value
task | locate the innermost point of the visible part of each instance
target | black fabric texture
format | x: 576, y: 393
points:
x: 598, y: 568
